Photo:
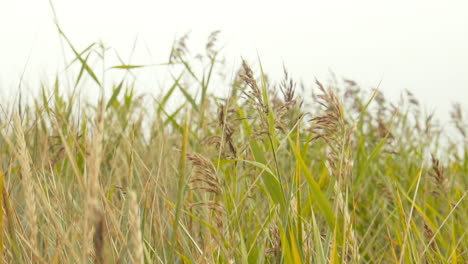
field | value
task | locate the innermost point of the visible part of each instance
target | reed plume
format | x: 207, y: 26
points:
x: 28, y: 184
x: 93, y: 213
x: 135, y: 229
x: 335, y: 130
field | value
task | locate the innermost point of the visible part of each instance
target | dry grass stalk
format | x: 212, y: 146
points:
x: 352, y: 249
x: 333, y: 128
x: 99, y: 240
x: 28, y: 184
x: 213, y: 206
x: 135, y: 229
x: 93, y: 212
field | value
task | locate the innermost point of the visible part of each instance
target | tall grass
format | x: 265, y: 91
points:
x: 272, y: 173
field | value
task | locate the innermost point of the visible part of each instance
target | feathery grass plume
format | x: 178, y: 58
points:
x: 254, y: 95
x: 288, y: 88
x: 179, y: 49
x: 412, y: 98
x: 28, y: 184
x: 457, y: 118
x: 382, y: 106
x: 206, y: 180
x: 212, y: 141
x: 332, y: 127
x: 205, y: 172
x: 135, y: 229
x: 288, y: 110
x: 416, y: 110
x: 226, y: 124
x: 275, y: 240
x: 383, y: 130
x: 385, y: 191
x: 438, y: 176
x: 93, y: 210
x: 210, y: 44
x: 429, y: 234
x: 351, y: 93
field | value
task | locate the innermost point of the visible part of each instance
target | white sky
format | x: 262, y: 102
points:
x: 417, y: 45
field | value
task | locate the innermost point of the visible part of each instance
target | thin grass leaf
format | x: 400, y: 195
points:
x: 116, y: 91
x: 88, y: 69
x: 320, y: 198
x: 87, y: 49
x: 271, y: 182
x: 162, y: 103
x: 188, y: 97
x: 128, y: 67
x: 181, y: 188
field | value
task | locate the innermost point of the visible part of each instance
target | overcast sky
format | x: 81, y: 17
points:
x: 417, y: 45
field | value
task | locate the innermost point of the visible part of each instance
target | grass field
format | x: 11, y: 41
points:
x: 276, y: 172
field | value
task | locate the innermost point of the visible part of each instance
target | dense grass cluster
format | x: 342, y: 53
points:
x: 273, y: 173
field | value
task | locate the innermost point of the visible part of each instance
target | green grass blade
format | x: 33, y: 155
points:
x: 322, y: 202
x: 116, y: 91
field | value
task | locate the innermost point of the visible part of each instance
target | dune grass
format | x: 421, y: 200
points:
x: 273, y: 173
